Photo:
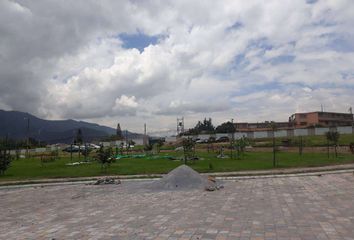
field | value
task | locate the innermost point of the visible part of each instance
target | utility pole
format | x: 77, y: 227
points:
x: 273, y: 149
x: 233, y: 129
x: 145, y: 137
x: 300, y: 146
x: 232, y: 138
x: 126, y: 137
x: 71, y: 152
x: 126, y: 142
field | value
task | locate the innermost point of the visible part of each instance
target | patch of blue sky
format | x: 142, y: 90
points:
x: 311, y: 1
x: 325, y: 85
x: 341, y: 45
x: 261, y: 43
x: 253, y: 88
x: 347, y: 75
x: 64, y: 79
x: 325, y: 23
x: 235, y: 67
x: 282, y: 59
x: 239, y: 62
x: 292, y: 43
x: 332, y: 85
x: 273, y: 86
x: 237, y: 25
x: 138, y: 40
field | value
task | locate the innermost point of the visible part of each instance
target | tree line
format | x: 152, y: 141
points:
x: 206, y: 127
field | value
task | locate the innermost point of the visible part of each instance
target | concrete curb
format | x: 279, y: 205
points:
x: 78, y: 179
x: 284, y: 171
x: 289, y: 172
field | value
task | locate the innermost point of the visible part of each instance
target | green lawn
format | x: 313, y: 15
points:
x: 33, y: 169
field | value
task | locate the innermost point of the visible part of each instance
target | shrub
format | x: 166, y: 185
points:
x: 5, y: 161
x: 104, y: 157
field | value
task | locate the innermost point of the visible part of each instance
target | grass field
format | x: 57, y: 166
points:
x: 33, y: 169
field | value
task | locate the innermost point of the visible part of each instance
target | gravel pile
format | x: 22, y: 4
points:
x: 183, y: 178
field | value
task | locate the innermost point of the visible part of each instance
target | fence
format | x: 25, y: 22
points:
x: 279, y: 133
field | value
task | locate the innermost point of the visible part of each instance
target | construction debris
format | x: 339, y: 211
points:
x: 76, y: 163
x: 107, y: 180
x: 184, y: 178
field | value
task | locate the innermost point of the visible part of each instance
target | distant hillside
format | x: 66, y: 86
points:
x: 14, y: 124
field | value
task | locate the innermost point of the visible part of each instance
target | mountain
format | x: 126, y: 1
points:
x: 15, y: 125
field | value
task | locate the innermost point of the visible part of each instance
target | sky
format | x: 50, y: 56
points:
x: 137, y: 62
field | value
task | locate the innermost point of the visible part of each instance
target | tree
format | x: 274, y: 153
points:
x: 205, y: 126
x: 78, y: 137
x: 104, y: 157
x: 301, y: 146
x: 157, y: 146
x: 227, y: 127
x: 5, y: 160
x: 351, y: 147
x: 5, y: 157
x: 188, y: 149
x: 148, y: 148
x: 333, y: 137
x: 273, y: 126
x: 240, y: 145
x: 119, y: 132
x: 86, y: 152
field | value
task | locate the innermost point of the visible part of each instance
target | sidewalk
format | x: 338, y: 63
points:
x: 220, y: 175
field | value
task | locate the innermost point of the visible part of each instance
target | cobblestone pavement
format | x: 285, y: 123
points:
x: 308, y: 207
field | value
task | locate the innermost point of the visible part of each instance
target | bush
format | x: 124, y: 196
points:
x: 351, y: 147
x: 104, y: 157
x: 333, y: 137
x: 188, y: 149
x: 5, y: 161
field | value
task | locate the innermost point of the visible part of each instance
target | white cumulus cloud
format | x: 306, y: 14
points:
x: 248, y: 60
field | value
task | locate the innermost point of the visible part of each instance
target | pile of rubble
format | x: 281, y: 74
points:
x: 107, y: 180
x: 184, y: 178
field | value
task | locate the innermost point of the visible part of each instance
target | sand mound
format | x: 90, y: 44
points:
x: 184, y: 178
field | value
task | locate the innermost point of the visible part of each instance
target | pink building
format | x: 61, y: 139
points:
x: 324, y: 119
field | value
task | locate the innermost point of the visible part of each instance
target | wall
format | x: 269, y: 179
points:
x: 321, y: 131
x: 283, y: 133
x: 345, y: 130
x: 260, y: 134
x: 300, y: 132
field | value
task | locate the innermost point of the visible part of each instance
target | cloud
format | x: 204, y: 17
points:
x: 176, y: 108
x: 125, y: 61
x: 125, y: 105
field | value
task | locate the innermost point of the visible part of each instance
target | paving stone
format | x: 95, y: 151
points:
x: 295, y: 208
